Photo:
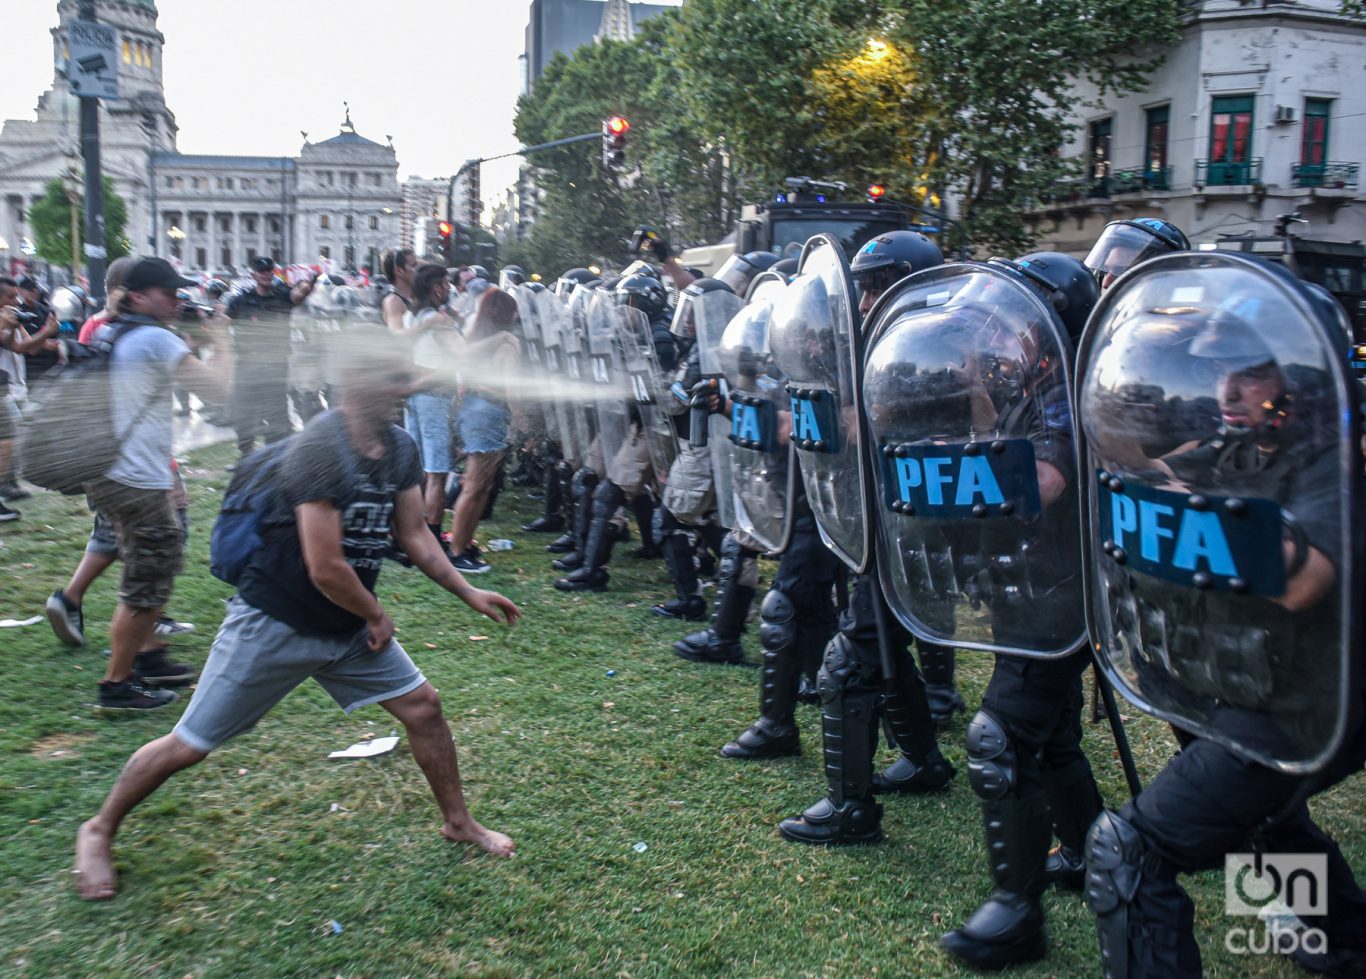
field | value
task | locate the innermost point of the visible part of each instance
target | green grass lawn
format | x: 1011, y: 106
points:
x: 238, y: 866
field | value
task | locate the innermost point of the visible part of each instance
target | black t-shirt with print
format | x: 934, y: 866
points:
x: 322, y: 465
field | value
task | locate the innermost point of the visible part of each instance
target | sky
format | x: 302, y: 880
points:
x: 245, y: 76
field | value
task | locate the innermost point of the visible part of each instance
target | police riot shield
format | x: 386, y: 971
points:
x: 1222, y: 467
x: 966, y: 388
x: 649, y: 387
x: 538, y: 389
x: 812, y: 334
x: 554, y: 318
x: 577, y: 370
x: 610, y: 385
x: 712, y: 312
x: 760, y: 452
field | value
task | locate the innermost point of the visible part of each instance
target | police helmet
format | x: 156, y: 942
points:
x: 739, y: 270
x: 1229, y: 339
x: 216, y: 289
x: 68, y: 303
x: 644, y: 293
x: 1063, y: 281
x: 1124, y: 244
x: 571, y: 280
x: 511, y: 275
x: 684, y: 322
x: 892, y: 256
x: 786, y: 267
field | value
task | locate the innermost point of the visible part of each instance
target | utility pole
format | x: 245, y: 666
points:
x: 95, y: 252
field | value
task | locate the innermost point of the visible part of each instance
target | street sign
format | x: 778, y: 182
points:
x: 92, y: 68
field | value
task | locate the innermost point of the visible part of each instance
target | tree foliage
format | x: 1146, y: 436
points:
x: 51, y: 220
x: 964, y: 102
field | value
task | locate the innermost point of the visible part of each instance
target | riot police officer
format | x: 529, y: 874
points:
x: 1241, y: 630
x: 1025, y: 760
x: 1124, y: 244
x: 629, y: 471
x: 854, y: 682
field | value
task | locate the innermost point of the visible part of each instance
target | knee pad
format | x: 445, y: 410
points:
x: 992, y: 764
x: 584, y: 481
x: 731, y: 553
x: 665, y: 523
x: 777, y: 617
x: 1114, y: 862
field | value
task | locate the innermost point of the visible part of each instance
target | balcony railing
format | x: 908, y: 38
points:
x: 1220, y: 173
x: 1140, y: 179
x: 1331, y: 176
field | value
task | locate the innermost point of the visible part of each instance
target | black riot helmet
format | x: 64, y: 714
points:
x: 511, y: 275
x: 571, y: 280
x: 216, y: 289
x: 644, y: 293
x: 1063, y: 281
x: 641, y: 267
x: 787, y: 267
x: 684, y: 324
x: 1124, y: 244
x: 890, y: 257
x: 739, y: 270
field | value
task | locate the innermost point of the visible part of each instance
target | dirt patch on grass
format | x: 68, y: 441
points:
x: 61, y: 745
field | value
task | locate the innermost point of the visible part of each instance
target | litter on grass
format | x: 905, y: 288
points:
x: 367, y: 749
x: 641, y: 847
x: 20, y: 623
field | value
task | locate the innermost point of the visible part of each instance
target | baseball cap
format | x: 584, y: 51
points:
x: 263, y: 263
x: 154, y: 273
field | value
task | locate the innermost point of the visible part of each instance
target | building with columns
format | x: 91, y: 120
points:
x: 337, y: 203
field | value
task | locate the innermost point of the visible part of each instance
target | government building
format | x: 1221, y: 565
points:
x: 336, y: 204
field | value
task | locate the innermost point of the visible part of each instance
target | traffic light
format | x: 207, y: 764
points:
x: 614, y: 143
x: 443, y: 237
x: 876, y: 192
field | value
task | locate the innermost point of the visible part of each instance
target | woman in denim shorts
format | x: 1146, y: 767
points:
x: 427, y: 416
x: 484, y: 418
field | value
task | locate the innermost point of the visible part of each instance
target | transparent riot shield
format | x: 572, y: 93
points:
x: 610, y: 386
x: 579, y: 392
x: 537, y: 389
x: 1222, y: 466
x: 814, y: 345
x: 966, y: 387
x: 712, y: 312
x: 760, y: 451
x: 554, y: 319
x: 649, y: 387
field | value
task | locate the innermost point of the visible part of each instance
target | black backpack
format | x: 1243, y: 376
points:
x: 69, y: 440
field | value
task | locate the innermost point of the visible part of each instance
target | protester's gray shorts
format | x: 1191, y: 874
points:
x: 256, y: 660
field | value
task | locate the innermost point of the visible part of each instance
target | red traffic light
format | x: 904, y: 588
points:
x: 617, y: 125
x: 443, y: 228
x: 876, y: 191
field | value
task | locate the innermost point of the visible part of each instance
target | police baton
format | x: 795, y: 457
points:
x: 1126, y: 756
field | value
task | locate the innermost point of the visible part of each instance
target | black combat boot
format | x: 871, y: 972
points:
x: 774, y: 734
x: 677, y: 546
x: 1008, y: 928
x: 551, y: 520
x: 592, y: 575
x: 721, y: 643
x: 849, y: 696
x: 643, y: 509
x: 1074, y: 802
x: 936, y: 662
x: 571, y: 544
x: 921, y: 767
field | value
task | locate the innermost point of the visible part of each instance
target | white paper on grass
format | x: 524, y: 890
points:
x: 367, y: 749
x: 19, y: 623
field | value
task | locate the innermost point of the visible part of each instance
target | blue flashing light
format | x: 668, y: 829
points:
x: 780, y: 198
x: 820, y: 198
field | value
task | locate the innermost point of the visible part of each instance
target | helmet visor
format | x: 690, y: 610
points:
x: 684, y: 323
x: 1122, y: 246
x: 737, y: 273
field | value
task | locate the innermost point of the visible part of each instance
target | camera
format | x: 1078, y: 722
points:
x: 29, y: 319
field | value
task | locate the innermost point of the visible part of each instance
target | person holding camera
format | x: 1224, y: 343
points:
x: 24, y: 332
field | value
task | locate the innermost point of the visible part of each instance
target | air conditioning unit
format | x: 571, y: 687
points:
x: 1285, y: 114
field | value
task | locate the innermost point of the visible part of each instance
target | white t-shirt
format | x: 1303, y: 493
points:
x: 144, y: 363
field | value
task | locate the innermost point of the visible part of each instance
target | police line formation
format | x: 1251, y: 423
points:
x: 1149, y: 460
